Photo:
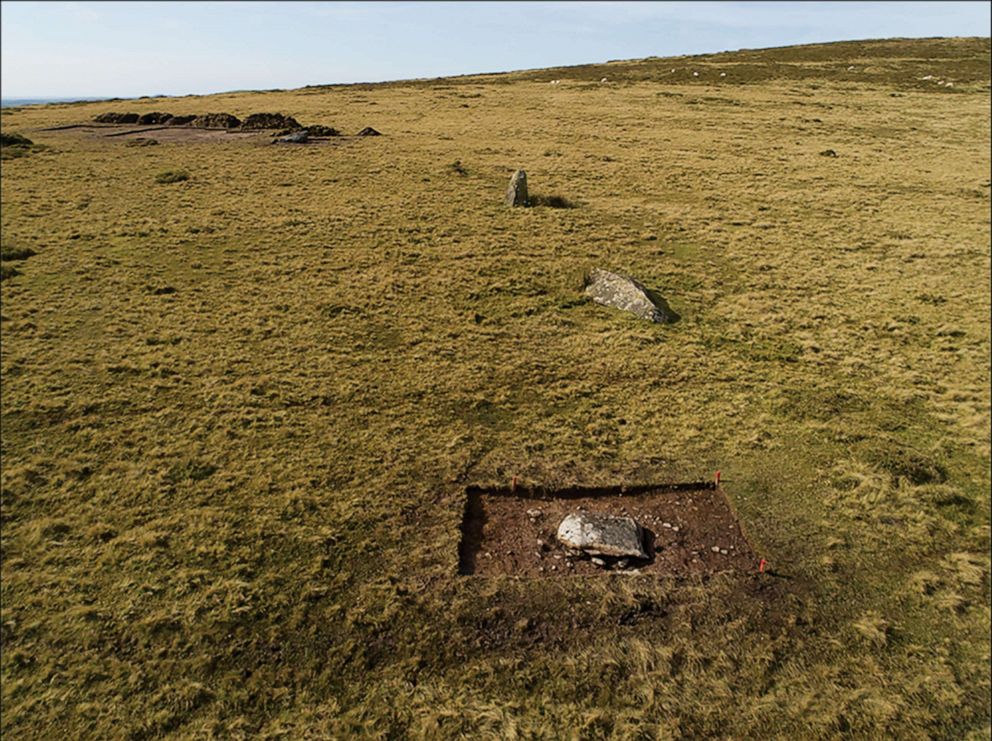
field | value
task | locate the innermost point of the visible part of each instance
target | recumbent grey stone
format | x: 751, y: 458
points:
x: 297, y: 137
x: 602, y: 535
x: 628, y: 294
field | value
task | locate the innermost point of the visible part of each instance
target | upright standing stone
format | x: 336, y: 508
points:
x: 516, y: 194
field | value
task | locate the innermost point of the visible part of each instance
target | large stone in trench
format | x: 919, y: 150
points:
x: 602, y: 535
x: 628, y: 294
x: 296, y: 137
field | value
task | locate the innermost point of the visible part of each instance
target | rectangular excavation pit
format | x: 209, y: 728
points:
x: 689, y: 530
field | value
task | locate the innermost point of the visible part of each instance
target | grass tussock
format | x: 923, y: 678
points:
x: 551, y: 201
x: 9, y: 252
x: 171, y: 176
x: 14, y: 146
x: 14, y: 140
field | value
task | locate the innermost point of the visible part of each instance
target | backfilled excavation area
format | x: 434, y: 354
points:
x: 687, y: 530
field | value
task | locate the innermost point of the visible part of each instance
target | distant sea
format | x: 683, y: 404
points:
x: 11, y: 102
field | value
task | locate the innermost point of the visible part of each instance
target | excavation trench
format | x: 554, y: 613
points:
x: 689, y: 529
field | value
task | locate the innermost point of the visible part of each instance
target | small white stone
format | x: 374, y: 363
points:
x: 723, y: 551
x: 598, y: 561
x: 666, y: 524
x: 715, y: 549
x: 675, y: 528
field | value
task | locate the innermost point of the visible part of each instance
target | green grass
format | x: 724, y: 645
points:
x: 238, y: 416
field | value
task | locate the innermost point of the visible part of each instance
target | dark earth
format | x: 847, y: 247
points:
x: 513, y: 532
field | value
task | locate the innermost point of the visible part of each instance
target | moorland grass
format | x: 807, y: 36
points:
x: 232, y: 509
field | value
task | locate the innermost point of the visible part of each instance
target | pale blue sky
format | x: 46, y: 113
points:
x: 61, y: 49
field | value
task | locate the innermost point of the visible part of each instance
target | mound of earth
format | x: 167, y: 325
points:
x: 15, y: 140
x: 13, y: 146
x: 180, y: 120
x: 270, y: 121
x: 117, y: 118
x: 155, y: 117
x: 323, y: 131
x: 368, y: 131
x: 217, y: 121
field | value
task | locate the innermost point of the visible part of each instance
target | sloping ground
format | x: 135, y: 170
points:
x: 240, y: 410
x: 897, y: 63
x: 900, y: 63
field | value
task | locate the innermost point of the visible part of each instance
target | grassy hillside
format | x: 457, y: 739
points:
x: 240, y: 410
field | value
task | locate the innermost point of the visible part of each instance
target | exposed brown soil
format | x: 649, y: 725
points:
x: 184, y: 134
x: 513, y: 532
x: 179, y: 134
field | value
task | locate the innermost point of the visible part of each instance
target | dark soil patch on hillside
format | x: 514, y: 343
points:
x: 270, y: 121
x: 689, y: 530
x: 217, y: 121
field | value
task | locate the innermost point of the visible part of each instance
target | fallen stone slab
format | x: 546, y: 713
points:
x: 626, y: 293
x: 297, y: 137
x: 602, y: 535
x: 516, y: 192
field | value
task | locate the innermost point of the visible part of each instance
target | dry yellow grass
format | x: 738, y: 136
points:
x: 231, y: 508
